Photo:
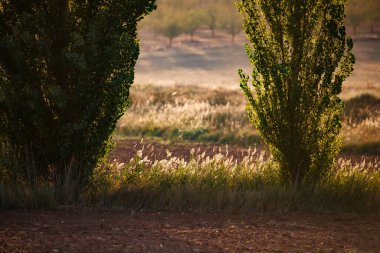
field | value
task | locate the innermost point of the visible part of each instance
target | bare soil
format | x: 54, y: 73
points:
x: 125, y: 149
x: 148, y: 231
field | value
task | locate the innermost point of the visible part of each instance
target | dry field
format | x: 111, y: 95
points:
x: 213, y: 62
x: 190, y: 92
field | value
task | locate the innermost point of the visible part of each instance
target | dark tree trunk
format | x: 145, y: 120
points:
x: 170, y: 42
x: 373, y: 28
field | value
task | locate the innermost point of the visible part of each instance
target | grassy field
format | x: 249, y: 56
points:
x: 190, y: 113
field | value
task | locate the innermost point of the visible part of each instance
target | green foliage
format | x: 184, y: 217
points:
x: 65, y: 72
x: 300, y: 57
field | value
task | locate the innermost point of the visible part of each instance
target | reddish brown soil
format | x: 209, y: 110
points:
x: 127, y: 231
x: 125, y: 149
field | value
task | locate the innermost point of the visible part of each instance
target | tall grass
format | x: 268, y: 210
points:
x: 221, y: 183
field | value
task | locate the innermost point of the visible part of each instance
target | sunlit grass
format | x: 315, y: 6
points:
x: 183, y: 113
x: 222, y: 183
x: 218, y: 183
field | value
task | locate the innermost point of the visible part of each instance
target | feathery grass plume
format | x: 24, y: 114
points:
x: 220, y: 182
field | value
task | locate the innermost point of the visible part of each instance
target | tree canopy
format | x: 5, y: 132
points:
x: 65, y: 72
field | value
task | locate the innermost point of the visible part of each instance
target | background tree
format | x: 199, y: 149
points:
x: 222, y: 14
x: 356, y: 14
x: 65, y: 72
x: 230, y: 21
x: 193, y: 19
x: 212, y: 17
x: 300, y: 57
x: 373, y: 13
x: 169, y: 25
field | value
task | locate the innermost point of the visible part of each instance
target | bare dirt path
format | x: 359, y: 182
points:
x: 125, y: 149
x: 148, y: 231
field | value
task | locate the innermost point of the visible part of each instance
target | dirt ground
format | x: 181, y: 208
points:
x: 125, y: 149
x: 147, y: 231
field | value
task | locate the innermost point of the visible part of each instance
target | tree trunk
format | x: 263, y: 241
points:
x: 373, y: 28
x: 170, y: 42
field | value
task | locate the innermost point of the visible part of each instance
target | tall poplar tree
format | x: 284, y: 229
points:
x: 300, y: 57
x: 65, y: 71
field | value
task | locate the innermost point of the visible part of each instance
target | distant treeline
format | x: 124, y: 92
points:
x: 176, y: 17
x: 363, y: 12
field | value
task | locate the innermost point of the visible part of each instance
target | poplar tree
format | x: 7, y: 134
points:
x: 300, y: 56
x: 66, y: 67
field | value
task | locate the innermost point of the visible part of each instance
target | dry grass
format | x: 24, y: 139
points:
x: 222, y: 183
x: 218, y: 182
x: 188, y: 113
x: 218, y: 115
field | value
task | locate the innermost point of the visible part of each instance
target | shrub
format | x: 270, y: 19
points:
x: 361, y: 108
x: 300, y: 57
x: 65, y: 72
x: 169, y: 23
